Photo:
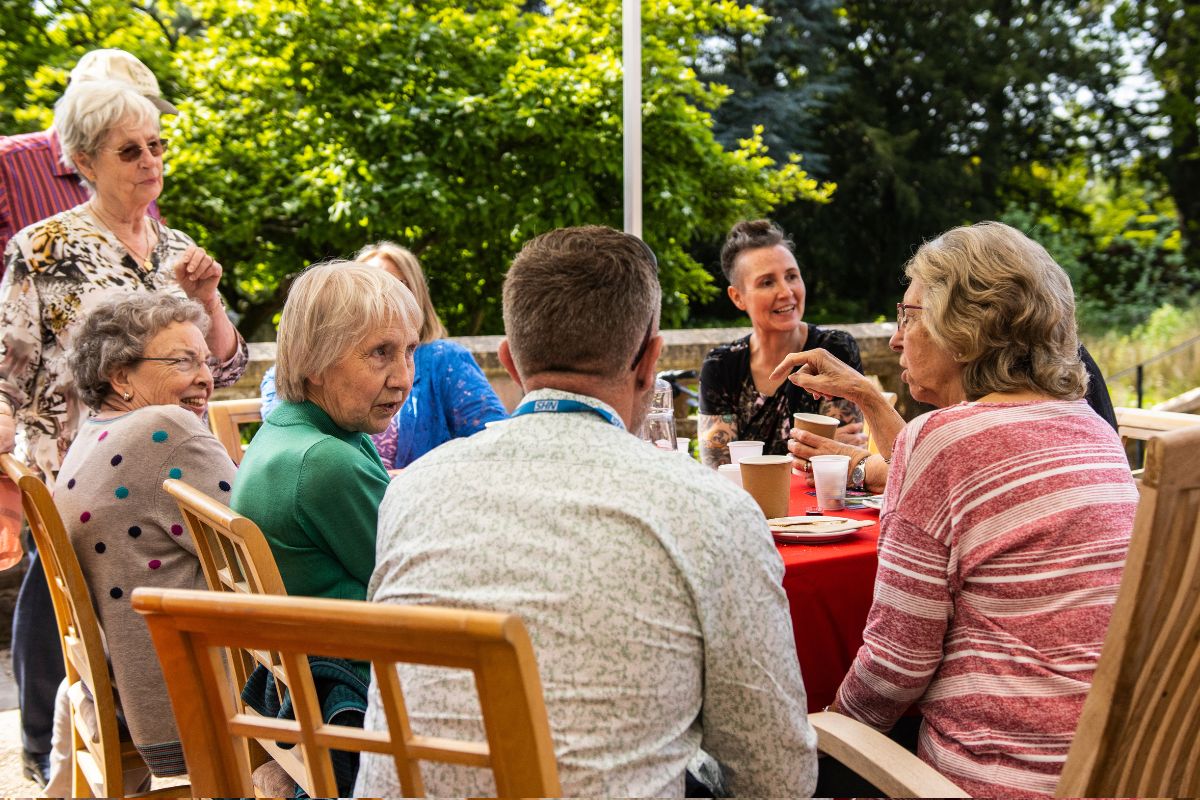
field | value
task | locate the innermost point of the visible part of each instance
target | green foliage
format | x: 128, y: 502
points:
x: 311, y: 127
x: 1117, y: 350
x: 926, y: 108
x: 1118, y: 239
x: 1169, y: 33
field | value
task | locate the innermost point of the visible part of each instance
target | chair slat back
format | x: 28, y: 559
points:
x: 236, y: 559
x: 99, y: 771
x: 226, y: 417
x: 189, y: 629
x: 234, y: 556
x: 1139, y: 733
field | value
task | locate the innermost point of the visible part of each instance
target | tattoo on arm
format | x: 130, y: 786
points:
x: 842, y: 410
x: 715, y: 433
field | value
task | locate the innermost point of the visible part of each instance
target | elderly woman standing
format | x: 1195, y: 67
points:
x: 61, y: 268
x: 58, y: 270
x: 741, y: 397
x: 142, y: 363
x: 311, y: 479
x: 1006, y: 521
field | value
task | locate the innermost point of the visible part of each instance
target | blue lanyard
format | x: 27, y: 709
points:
x: 566, y: 407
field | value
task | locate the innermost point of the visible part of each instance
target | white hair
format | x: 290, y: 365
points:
x: 330, y: 308
x: 89, y: 110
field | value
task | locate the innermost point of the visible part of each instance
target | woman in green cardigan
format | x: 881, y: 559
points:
x: 312, y: 479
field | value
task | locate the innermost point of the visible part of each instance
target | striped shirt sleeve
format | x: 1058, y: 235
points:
x: 902, y: 642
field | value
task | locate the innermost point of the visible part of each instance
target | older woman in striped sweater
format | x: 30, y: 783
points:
x: 1007, y: 517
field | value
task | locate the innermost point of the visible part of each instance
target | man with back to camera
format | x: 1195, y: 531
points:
x: 651, y: 587
x: 34, y: 184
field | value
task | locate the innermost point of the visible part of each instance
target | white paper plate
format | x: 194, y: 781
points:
x: 874, y: 501
x: 814, y: 530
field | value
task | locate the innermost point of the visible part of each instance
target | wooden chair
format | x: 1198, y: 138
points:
x: 1139, y: 732
x: 236, y: 559
x: 1142, y: 423
x: 100, y: 755
x: 226, y: 417
x: 189, y: 628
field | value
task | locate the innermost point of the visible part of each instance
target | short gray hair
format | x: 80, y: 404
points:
x: 332, y: 307
x: 1001, y: 305
x: 115, y: 335
x: 88, y: 111
x: 580, y: 300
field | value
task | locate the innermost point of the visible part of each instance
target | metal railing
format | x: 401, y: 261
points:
x: 1139, y: 368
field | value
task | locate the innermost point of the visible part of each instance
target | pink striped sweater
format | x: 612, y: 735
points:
x: 1003, y: 538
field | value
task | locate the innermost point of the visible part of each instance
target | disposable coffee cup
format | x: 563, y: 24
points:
x: 768, y: 479
x: 830, y: 473
x: 819, y: 424
x: 731, y: 473
x: 740, y: 450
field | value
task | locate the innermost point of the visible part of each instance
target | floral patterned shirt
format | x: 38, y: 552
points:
x: 57, y: 271
x: 651, y: 590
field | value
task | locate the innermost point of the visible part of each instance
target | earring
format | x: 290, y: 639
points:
x: 128, y: 396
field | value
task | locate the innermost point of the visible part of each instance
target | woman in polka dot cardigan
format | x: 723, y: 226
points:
x: 141, y: 363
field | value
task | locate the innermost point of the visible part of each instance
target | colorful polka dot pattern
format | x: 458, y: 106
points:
x: 122, y: 492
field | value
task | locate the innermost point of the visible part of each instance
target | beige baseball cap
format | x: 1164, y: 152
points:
x: 112, y: 64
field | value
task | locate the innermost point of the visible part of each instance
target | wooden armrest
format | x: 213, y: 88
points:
x: 876, y: 758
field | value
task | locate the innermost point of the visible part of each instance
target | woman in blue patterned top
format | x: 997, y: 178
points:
x: 450, y: 396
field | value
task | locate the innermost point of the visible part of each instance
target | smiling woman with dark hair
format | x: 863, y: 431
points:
x: 739, y: 396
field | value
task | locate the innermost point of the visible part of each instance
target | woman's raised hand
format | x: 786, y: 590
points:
x: 198, y: 274
x: 823, y: 375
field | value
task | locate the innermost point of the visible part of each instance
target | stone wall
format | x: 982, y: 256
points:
x: 684, y: 349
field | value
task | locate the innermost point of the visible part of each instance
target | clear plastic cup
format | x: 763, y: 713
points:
x: 830, y: 474
x: 740, y: 450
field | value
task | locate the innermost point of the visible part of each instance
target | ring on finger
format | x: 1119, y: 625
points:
x: 807, y: 466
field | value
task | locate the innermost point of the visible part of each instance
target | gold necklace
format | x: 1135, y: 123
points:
x: 145, y: 261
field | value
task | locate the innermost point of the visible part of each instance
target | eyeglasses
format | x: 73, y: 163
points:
x: 902, y: 310
x: 186, y: 365
x: 132, y: 152
x: 645, y: 343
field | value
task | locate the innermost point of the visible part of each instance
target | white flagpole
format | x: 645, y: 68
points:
x: 631, y: 110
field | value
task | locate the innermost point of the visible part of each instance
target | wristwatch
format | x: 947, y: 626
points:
x: 858, y: 475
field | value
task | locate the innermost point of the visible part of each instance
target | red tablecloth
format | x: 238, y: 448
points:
x: 829, y: 589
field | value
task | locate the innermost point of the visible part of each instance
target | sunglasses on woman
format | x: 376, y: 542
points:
x: 132, y: 152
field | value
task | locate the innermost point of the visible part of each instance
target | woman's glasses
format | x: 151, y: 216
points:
x: 132, y: 152
x: 188, y: 365
x: 902, y: 310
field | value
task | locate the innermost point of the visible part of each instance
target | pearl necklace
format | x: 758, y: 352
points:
x: 145, y: 261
